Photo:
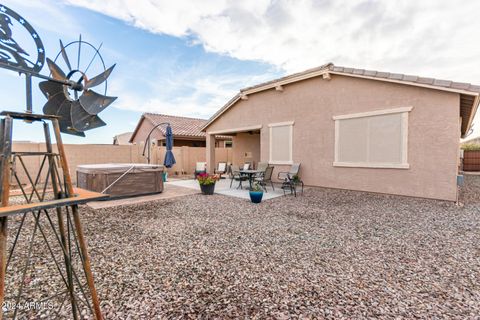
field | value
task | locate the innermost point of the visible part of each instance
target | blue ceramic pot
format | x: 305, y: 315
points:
x: 256, y: 196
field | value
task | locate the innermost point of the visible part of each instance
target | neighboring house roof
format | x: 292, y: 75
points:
x: 122, y: 138
x: 181, y: 126
x: 469, y: 94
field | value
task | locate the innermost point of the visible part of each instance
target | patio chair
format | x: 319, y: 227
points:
x: 266, y: 178
x: 262, y: 166
x: 246, y: 166
x: 201, y: 167
x: 290, y: 179
x: 237, y: 176
x: 221, y: 169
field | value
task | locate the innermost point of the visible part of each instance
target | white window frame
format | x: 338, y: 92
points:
x: 281, y: 124
x: 403, y: 165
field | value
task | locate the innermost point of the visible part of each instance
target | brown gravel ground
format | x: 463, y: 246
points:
x: 326, y: 254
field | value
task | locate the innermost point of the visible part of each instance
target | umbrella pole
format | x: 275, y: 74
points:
x: 147, y: 141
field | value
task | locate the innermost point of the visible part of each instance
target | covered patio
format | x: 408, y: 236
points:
x: 246, y: 146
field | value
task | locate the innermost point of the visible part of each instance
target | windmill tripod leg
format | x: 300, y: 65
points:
x: 67, y: 229
x: 61, y: 225
x: 6, y: 150
x: 78, y: 224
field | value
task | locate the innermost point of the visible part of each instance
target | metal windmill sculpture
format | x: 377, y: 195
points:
x: 72, y: 107
x: 80, y: 112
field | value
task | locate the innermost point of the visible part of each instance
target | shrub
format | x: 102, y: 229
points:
x: 471, y: 146
x: 207, y: 179
x: 256, y: 188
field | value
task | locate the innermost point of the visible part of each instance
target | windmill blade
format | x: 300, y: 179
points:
x: 65, y: 121
x: 52, y: 105
x: 65, y: 57
x: 57, y: 73
x: 50, y: 88
x: 95, y: 81
x: 73, y: 132
x: 95, y: 103
x: 82, y: 120
x: 54, y: 93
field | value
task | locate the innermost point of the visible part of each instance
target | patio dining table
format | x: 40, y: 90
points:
x: 251, y: 174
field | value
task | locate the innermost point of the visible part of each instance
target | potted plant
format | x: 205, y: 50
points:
x: 207, y: 182
x: 256, y: 193
x: 296, y: 179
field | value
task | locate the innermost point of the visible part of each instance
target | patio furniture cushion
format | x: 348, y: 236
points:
x: 221, y: 167
x: 294, y: 169
x: 201, y: 166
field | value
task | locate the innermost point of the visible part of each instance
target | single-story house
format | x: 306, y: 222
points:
x: 122, y: 138
x: 187, y: 131
x: 353, y: 129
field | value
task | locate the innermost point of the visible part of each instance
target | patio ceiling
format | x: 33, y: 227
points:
x: 255, y: 128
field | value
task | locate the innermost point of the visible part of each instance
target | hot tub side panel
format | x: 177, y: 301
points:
x: 132, y: 184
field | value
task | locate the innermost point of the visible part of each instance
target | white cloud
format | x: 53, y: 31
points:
x: 429, y: 37
x: 35, y: 11
x: 204, y: 94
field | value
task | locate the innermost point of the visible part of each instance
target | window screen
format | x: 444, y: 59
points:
x: 281, y: 143
x: 373, y: 140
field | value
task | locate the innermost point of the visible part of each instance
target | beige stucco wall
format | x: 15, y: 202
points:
x: 187, y: 157
x: 246, y: 144
x: 78, y: 154
x: 433, y: 132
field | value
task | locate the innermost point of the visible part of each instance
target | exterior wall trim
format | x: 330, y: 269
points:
x: 280, y: 124
x: 372, y: 113
x: 371, y: 165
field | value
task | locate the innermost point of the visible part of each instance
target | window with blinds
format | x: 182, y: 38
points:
x: 375, y: 139
x: 281, y: 143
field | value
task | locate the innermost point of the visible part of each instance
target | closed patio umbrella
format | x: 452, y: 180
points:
x: 169, y: 158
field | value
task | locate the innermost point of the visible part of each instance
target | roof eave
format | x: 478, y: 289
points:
x: 472, y: 115
x: 137, y: 128
x: 143, y: 118
x: 403, y: 82
x: 273, y: 85
x: 221, y: 111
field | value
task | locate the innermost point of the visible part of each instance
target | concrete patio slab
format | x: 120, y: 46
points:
x: 223, y: 187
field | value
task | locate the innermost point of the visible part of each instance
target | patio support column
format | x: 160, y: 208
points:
x: 210, y: 153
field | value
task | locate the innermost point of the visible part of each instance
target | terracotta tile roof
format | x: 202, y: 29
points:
x: 372, y: 74
x: 181, y: 126
x: 406, y: 78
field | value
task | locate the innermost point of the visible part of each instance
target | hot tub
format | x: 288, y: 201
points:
x: 121, y: 179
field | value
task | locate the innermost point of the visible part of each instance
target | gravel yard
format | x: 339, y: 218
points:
x: 327, y: 254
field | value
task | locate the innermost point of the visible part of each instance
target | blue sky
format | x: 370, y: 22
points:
x: 189, y: 57
x: 154, y: 73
